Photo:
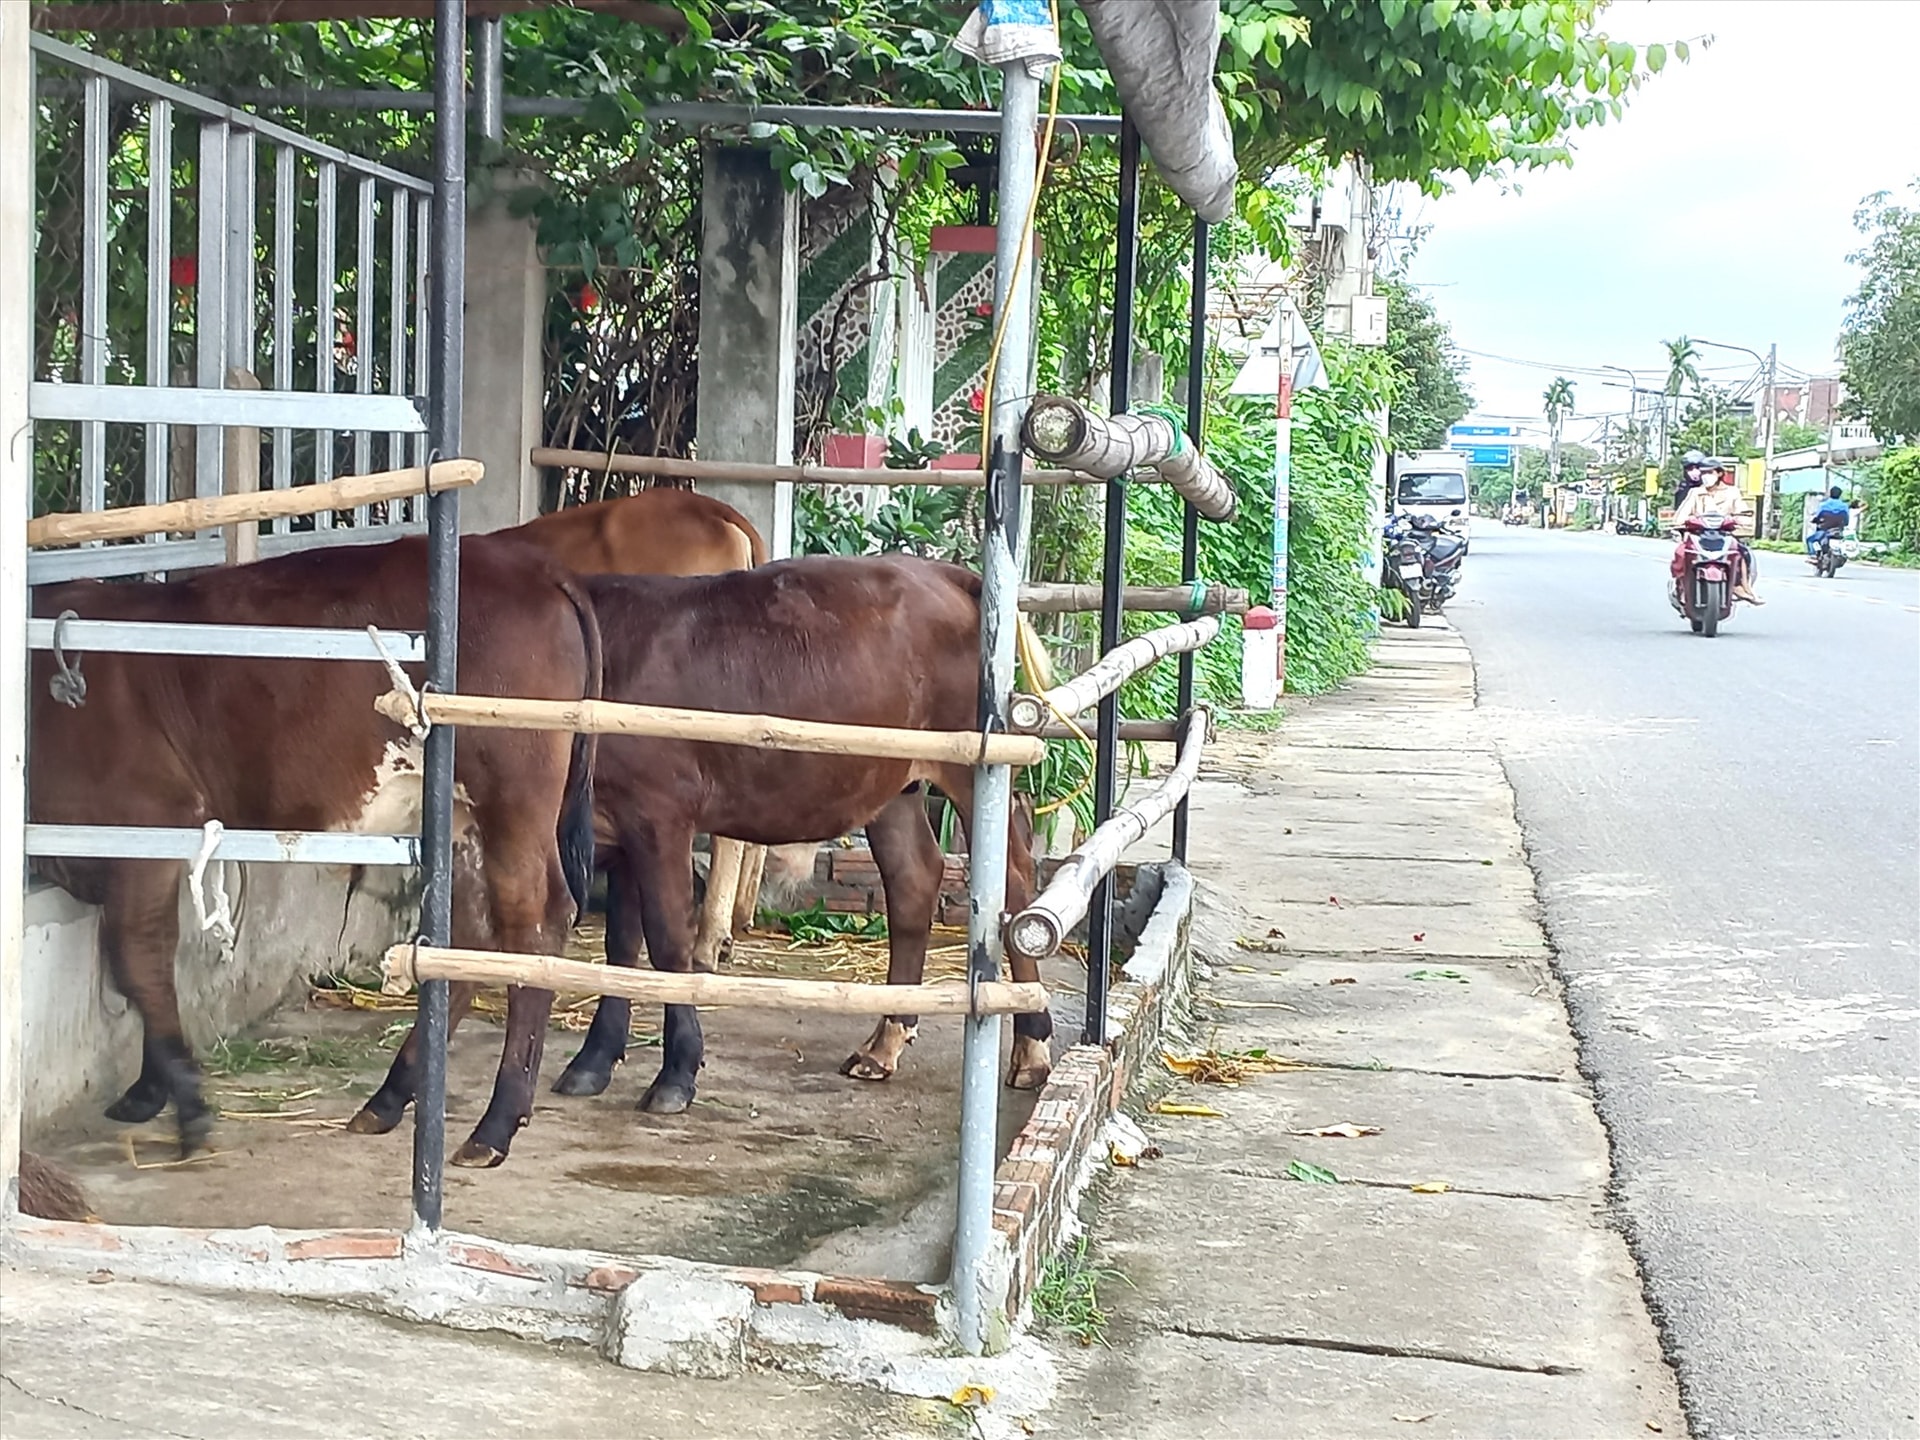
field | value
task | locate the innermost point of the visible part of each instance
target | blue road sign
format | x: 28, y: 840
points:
x: 1485, y: 454
x: 1463, y: 431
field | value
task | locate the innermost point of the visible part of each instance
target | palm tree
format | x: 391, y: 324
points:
x: 1559, y: 398
x: 1683, y: 369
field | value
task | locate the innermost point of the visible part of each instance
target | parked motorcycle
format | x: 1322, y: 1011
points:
x: 1424, y: 556
x: 1827, y: 557
x: 1702, y: 590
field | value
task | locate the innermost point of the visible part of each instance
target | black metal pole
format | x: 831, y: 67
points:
x: 1190, y: 525
x: 1113, y: 578
x: 446, y: 342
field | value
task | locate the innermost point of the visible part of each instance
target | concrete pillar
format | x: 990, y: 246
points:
x: 502, y: 391
x: 749, y: 302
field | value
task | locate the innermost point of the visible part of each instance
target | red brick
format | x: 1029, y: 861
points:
x: 778, y: 1292
x: 609, y: 1277
x: 67, y: 1234
x: 347, y: 1245
x: 907, y: 1306
x: 483, y: 1257
x: 1006, y: 1222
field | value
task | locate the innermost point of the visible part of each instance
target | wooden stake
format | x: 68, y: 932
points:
x: 1050, y: 599
x: 206, y: 513
x: 407, y: 965
x: 716, y: 727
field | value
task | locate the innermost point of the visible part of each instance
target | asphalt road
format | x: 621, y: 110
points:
x: 1727, y: 836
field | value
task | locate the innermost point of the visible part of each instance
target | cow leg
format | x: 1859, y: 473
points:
x: 717, y: 922
x: 388, y: 1104
x: 139, y: 935
x: 908, y: 857
x: 663, y: 860
x: 1032, y: 1059
x: 746, y: 904
x: 591, y: 1071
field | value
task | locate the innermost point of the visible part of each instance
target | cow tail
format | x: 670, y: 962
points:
x: 576, y: 810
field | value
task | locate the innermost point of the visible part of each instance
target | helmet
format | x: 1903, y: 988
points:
x: 1834, y: 493
x: 1693, y: 457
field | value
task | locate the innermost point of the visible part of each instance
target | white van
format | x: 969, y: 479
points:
x: 1430, y: 482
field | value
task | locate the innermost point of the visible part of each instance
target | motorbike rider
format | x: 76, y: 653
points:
x: 1833, y: 515
x: 1717, y: 495
x: 1691, y: 465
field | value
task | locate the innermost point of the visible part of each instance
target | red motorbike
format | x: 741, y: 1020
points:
x: 1700, y: 585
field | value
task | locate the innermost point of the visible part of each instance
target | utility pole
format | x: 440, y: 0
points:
x: 1766, y: 472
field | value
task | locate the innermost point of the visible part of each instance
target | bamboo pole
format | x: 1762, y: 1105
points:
x: 676, y: 468
x: 1214, y: 599
x: 1111, y: 671
x: 215, y: 510
x: 1142, y: 730
x: 1065, y: 432
x: 407, y: 965
x: 715, y: 727
x: 1038, y: 930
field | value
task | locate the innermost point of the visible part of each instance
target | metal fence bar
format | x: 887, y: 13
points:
x: 398, y: 220
x: 324, y: 246
x: 1190, y: 517
x: 203, y: 407
x: 243, y: 269
x: 210, y: 302
x: 153, y: 842
x: 286, y: 198
x: 1106, y: 750
x: 143, y: 84
x: 423, y: 378
x: 50, y: 567
x: 364, y: 344
x: 277, y: 642
x: 93, y: 290
x: 159, y: 288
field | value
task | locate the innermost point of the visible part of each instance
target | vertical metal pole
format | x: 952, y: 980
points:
x: 1765, y: 504
x: 443, y: 586
x: 1106, y: 754
x: 159, y: 286
x: 365, y: 344
x: 93, y: 288
x: 1283, y: 490
x: 993, y: 784
x: 489, y: 78
x: 284, y: 198
x: 400, y: 221
x: 1190, y: 524
x: 210, y: 302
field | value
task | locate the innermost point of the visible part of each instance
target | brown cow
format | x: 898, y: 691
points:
x: 888, y: 640
x: 274, y: 744
x: 670, y: 532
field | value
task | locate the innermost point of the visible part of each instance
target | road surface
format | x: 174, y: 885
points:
x: 1727, y: 837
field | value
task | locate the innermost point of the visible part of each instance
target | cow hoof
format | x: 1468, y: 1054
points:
x: 476, y: 1155
x: 859, y: 1066
x: 664, y: 1098
x: 366, y: 1122
x: 136, y: 1107
x: 1030, y: 1064
x: 578, y: 1079
x: 196, y: 1130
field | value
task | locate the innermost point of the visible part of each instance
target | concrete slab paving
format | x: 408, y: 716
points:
x: 1456, y: 929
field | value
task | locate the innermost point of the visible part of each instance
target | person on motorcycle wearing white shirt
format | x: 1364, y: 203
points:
x: 1833, y: 515
x: 1717, y: 495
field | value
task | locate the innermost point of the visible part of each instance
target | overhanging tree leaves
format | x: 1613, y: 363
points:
x: 1880, y: 346
x: 1428, y: 396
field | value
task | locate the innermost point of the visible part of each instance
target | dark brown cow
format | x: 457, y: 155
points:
x: 891, y: 641
x: 274, y: 744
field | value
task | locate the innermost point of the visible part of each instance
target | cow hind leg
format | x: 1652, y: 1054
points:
x: 662, y: 856
x: 139, y: 935
x: 908, y: 857
x: 1032, y: 1059
x: 388, y: 1105
x: 591, y: 1071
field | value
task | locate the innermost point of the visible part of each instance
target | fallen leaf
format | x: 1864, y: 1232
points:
x: 1244, y: 969
x: 1343, y: 980
x: 1275, y: 930
x: 100, y: 1277
x: 1180, y: 1107
x: 1654, y: 1425
x: 1312, y: 1174
x: 1346, y: 1130
x: 973, y: 1395
x: 1430, y: 1187
x: 1486, y: 862
x: 1420, y: 937
x: 1263, y: 945
x: 1437, y: 975
x: 1334, y: 900
x: 1416, y: 1419
x: 1121, y: 1158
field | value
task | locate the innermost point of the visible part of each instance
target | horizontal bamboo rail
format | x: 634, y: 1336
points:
x: 206, y: 513
x: 714, y: 727
x: 1112, y: 670
x: 1037, y: 931
x: 676, y: 468
x: 1213, y: 599
x: 1065, y: 432
x: 1142, y: 730
x: 407, y: 965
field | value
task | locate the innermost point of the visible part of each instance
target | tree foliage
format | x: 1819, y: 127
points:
x: 1429, y: 396
x: 1880, y: 346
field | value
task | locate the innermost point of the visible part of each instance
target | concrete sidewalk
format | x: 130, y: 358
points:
x: 1368, y: 911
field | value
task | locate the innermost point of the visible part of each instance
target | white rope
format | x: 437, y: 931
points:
x: 221, y: 917
x: 419, y: 724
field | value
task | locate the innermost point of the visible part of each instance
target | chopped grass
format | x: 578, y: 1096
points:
x: 817, y: 923
x: 1067, y: 1300
x: 239, y: 1055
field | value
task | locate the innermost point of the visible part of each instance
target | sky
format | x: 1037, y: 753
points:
x: 1721, y: 207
